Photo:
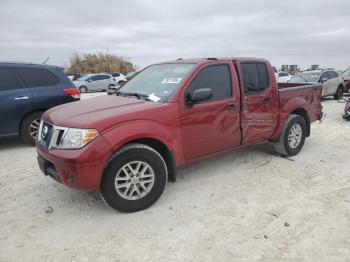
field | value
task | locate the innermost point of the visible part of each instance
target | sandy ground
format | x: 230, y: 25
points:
x: 248, y: 205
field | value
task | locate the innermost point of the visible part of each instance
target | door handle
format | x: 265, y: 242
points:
x: 267, y: 101
x: 21, y: 98
x: 231, y: 107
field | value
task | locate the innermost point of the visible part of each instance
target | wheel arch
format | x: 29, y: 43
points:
x: 28, y: 114
x: 303, y: 113
x: 163, y: 150
x: 158, y: 146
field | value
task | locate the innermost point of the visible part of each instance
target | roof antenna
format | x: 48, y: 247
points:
x: 46, y: 60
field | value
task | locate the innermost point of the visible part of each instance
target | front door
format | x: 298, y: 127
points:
x: 260, y: 102
x: 211, y: 125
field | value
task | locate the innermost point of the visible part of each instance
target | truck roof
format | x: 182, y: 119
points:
x: 204, y: 60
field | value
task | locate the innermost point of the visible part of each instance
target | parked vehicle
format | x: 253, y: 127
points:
x: 94, y: 82
x: 26, y: 91
x: 118, y: 77
x: 347, y: 110
x: 328, y: 78
x: 284, y: 77
x: 346, y: 78
x: 169, y: 115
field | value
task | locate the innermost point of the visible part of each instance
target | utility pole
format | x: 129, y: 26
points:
x: 107, y: 57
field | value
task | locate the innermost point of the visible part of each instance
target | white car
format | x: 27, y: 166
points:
x: 118, y: 77
x: 283, y: 77
x: 333, y: 85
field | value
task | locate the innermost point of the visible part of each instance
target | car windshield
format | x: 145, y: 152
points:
x: 157, y: 82
x: 310, y: 76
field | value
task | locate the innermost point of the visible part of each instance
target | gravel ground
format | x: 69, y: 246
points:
x: 247, y: 205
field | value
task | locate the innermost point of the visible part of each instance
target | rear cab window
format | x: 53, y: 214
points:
x: 255, y: 77
x: 37, y: 77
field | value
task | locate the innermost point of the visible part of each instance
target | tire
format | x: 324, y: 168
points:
x: 287, y: 147
x: 120, y: 82
x: 339, y: 93
x: 30, y: 127
x: 134, y: 164
x: 83, y: 89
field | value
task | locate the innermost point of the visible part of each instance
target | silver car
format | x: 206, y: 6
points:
x: 95, y: 82
x: 329, y: 78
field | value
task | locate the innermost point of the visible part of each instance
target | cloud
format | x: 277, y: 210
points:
x: 298, y: 32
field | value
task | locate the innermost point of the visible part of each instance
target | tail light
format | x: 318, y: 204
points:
x: 73, y: 92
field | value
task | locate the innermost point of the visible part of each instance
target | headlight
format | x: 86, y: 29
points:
x: 75, y: 138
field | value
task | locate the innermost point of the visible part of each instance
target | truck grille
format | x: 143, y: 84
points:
x: 50, y: 136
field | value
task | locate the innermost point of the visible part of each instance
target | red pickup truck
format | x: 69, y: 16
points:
x: 128, y: 145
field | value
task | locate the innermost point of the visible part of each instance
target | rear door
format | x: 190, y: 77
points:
x: 332, y: 83
x: 44, y: 86
x: 15, y: 101
x: 212, y: 125
x: 106, y: 80
x: 260, y: 103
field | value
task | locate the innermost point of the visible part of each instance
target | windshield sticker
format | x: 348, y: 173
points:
x: 171, y: 80
x: 153, y: 97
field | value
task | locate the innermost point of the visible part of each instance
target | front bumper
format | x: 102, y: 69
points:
x: 81, y: 169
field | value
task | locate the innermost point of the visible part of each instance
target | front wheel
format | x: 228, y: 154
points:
x: 292, y: 139
x: 83, y: 89
x: 134, y: 178
x: 30, y: 127
x: 339, y: 94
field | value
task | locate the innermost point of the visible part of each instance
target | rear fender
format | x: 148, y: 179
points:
x: 297, y: 103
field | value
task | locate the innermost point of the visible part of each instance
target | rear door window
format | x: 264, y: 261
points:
x: 255, y: 77
x: 8, y: 79
x: 37, y: 77
x: 105, y: 77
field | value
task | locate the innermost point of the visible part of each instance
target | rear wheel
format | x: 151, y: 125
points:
x: 30, y: 127
x: 134, y: 178
x: 83, y: 89
x: 292, y: 139
x: 339, y: 94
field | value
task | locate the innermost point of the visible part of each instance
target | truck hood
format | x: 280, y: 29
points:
x: 99, y: 112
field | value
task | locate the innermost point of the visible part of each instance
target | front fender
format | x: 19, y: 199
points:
x: 124, y: 133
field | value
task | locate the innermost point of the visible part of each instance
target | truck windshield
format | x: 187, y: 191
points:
x: 157, y: 82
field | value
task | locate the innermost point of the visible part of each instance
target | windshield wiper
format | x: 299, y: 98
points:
x: 137, y: 95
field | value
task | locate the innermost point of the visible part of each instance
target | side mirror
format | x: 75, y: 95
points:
x: 199, y: 95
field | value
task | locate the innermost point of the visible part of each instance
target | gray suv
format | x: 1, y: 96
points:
x: 95, y: 82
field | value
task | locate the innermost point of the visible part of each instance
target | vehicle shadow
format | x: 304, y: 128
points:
x: 12, y: 143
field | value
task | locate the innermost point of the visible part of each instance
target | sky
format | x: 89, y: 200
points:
x: 284, y: 32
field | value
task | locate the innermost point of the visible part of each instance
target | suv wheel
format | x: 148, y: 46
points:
x: 30, y: 127
x: 83, y: 89
x: 339, y: 94
x: 134, y: 178
x: 292, y: 139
